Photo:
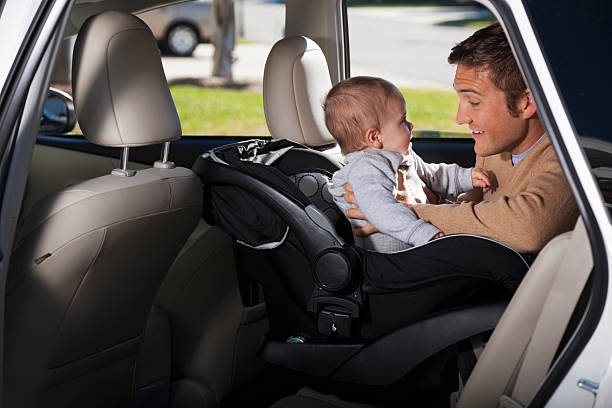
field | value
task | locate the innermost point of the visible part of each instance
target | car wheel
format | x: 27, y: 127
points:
x: 181, y: 40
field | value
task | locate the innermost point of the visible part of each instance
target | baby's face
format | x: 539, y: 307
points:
x: 396, y: 131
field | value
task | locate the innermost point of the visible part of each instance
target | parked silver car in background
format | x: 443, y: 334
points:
x: 179, y: 28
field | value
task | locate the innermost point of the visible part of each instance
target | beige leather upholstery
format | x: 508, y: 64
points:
x: 296, y: 81
x: 118, y: 81
x: 209, y: 322
x: 496, y: 369
x: 91, y: 256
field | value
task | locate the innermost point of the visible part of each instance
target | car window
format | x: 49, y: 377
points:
x: 408, y: 44
x: 15, y: 18
x: 580, y: 61
x: 216, y: 84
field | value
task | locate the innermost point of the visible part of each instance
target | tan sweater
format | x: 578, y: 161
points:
x: 529, y: 203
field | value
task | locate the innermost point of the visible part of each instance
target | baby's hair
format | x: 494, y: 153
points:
x: 354, y: 105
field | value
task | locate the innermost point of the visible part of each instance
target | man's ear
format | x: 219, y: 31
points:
x: 373, y: 138
x: 527, y: 107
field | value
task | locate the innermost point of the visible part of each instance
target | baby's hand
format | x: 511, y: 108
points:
x: 480, y: 178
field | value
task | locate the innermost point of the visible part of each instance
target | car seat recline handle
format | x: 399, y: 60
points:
x: 322, y: 221
x: 345, y: 305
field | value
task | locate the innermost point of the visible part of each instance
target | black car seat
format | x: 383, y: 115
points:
x: 336, y: 310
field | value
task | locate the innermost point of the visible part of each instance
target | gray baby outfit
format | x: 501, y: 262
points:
x: 373, y: 176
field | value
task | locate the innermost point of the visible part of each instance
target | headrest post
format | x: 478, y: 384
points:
x: 125, y: 154
x: 165, y: 152
x: 124, y: 171
x: 164, y: 163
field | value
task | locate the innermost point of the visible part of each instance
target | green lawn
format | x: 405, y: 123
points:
x: 470, y: 22
x: 218, y: 111
x: 432, y: 110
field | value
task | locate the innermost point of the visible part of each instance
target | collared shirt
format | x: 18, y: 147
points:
x: 518, y: 157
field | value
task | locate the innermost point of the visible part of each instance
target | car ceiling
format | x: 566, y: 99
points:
x: 83, y: 9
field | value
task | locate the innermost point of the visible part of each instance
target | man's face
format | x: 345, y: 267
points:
x: 482, y: 106
x: 396, y: 131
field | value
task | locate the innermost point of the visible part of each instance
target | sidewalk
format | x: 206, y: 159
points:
x: 247, y: 69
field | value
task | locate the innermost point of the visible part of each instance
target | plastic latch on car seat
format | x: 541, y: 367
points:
x: 334, y: 314
x: 334, y: 324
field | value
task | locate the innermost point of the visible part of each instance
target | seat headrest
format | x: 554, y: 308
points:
x: 120, y: 92
x: 296, y: 81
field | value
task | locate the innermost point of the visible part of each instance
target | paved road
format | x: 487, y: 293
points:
x: 402, y: 44
x: 414, y: 50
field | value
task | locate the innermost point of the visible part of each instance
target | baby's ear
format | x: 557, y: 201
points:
x: 373, y: 138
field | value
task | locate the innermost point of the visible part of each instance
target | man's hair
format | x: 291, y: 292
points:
x: 488, y: 49
x: 353, y: 106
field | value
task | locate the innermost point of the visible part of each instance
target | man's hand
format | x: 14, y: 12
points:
x: 356, y: 213
x: 349, y: 196
x: 438, y: 235
x: 480, y: 178
x: 364, y: 231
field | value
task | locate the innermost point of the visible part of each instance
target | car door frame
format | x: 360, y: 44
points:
x: 561, y: 380
x: 20, y: 111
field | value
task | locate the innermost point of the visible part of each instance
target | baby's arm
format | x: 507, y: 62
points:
x: 445, y: 179
x: 373, y: 182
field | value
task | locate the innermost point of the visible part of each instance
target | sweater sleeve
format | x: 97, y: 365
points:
x: 445, y: 179
x: 373, y: 182
x: 525, y: 221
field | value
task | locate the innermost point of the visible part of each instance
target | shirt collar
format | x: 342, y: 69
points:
x: 518, y: 157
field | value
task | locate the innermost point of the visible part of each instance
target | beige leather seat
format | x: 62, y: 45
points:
x: 501, y: 366
x: 91, y: 256
x: 296, y: 81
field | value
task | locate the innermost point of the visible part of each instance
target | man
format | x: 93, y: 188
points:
x: 529, y: 201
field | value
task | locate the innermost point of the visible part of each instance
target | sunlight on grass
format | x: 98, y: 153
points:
x: 470, y: 22
x: 431, y: 109
x: 217, y: 111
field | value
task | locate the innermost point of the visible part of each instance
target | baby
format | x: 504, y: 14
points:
x: 367, y: 117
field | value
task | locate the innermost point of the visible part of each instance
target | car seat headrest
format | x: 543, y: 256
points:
x: 120, y: 92
x: 296, y: 81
